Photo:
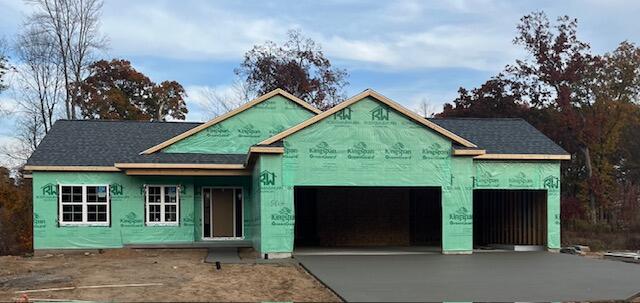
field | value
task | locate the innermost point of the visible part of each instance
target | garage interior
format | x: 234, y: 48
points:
x: 509, y: 217
x: 368, y: 216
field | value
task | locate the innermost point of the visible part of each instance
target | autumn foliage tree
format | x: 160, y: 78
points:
x: 587, y: 103
x: 115, y: 90
x: 298, y: 66
x: 494, y: 98
x: 15, y: 214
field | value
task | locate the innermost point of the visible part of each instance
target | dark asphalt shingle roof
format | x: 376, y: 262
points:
x: 502, y: 135
x: 103, y: 143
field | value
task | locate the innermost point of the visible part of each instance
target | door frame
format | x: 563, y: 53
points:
x: 234, y: 188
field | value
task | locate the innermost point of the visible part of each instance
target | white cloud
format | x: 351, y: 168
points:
x: 202, y: 32
x: 208, y: 32
x: 438, y: 47
x: 8, y: 105
x: 8, y: 143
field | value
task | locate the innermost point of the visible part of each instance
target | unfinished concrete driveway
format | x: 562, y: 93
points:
x: 503, y: 276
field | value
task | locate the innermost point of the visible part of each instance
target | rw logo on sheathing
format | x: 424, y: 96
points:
x: 551, y: 182
x: 49, y: 189
x: 343, y: 114
x: 267, y: 178
x: 343, y: 117
x: 379, y: 113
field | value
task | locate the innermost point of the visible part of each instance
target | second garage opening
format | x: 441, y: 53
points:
x: 368, y: 216
x: 509, y: 218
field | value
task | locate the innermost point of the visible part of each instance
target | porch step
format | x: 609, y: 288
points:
x: 225, y: 255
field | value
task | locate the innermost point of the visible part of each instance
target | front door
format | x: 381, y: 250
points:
x: 221, y: 213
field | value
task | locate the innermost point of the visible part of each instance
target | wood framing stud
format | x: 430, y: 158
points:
x: 231, y: 114
x: 373, y: 94
x: 523, y: 157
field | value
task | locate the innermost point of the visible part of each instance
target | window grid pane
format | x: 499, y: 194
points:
x: 71, y: 213
x: 154, y: 213
x: 170, y: 195
x: 154, y: 195
x: 162, y: 204
x: 170, y: 213
x: 76, y: 200
x: 97, y: 213
x: 76, y: 194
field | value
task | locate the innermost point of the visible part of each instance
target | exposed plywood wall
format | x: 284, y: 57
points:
x: 509, y: 217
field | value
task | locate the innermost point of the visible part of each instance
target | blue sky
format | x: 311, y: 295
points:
x: 407, y: 50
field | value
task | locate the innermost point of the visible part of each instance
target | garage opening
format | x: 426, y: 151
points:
x: 368, y: 216
x: 509, y: 217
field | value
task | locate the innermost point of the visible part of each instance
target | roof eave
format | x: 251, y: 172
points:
x: 523, y: 157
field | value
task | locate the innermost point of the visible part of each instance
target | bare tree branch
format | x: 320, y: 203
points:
x: 218, y: 103
x: 74, y: 26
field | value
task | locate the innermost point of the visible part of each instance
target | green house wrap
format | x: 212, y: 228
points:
x: 238, y: 178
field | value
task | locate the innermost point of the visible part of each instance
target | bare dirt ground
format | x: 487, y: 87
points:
x: 183, y: 275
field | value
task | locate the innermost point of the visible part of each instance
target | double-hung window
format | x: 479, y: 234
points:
x: 83, y: 205
x: 162, y: 204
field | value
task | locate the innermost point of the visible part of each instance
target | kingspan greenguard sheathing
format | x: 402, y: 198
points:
x: 127, y: 210
x: 364, y: 144
x: 236, y: 134
x: 369, y: 144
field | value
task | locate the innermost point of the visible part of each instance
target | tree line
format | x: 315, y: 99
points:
x: 588, y: 103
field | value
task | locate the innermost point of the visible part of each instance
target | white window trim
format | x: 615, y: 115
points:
x: 85, y: 212
x: 162, y: 205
